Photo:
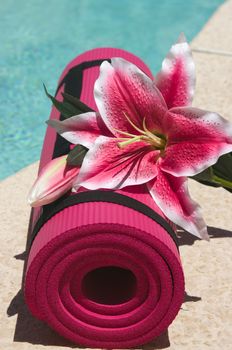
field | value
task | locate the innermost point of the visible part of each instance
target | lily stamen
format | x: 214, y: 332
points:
x: 134, y: 139
x: 157, y: 141
x: 134, y: 126
x: 145, y: 128
x: 124, y: 132
x: 147, y: 135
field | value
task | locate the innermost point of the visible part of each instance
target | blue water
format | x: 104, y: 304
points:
x: 38, y: 38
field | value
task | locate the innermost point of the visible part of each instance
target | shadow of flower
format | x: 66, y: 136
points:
x: 186, y: 238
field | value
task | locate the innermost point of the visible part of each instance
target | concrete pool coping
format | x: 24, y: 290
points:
x: 204, y: 322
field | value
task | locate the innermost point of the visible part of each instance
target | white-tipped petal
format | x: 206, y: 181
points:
x: 176, y: 79
x: 171, y: 195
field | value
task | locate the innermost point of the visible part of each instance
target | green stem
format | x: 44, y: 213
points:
x: 222, y: 182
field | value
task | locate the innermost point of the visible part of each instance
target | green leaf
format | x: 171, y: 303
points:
x: 219, y: 174
x: 82, y: 107
x: 65, y: 108
x: 76, y: 155
x: 223, y: 167
x: 205, y: 175
x: 204, y: 182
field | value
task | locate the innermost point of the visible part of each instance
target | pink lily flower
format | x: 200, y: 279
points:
x: 145, y: 132
x: 55, y: 179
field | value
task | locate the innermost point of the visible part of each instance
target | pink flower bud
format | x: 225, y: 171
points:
x: 54, y: 180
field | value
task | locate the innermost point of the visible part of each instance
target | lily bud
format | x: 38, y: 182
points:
x: 55, y: 179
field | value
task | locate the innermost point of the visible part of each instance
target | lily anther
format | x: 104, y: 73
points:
x: 154, y: 138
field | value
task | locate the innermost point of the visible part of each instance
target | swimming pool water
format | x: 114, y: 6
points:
x: 38, y: 38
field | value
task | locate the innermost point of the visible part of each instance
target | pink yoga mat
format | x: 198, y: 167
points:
x: 103, y: 268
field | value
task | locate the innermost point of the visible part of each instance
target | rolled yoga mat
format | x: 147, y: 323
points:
x: 103, y: 268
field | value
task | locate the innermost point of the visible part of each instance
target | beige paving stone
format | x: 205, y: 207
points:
x: 216, y: 34
x: 213, y: 83
x: 205, y: 320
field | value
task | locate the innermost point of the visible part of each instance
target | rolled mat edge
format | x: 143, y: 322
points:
x: 101, y: 227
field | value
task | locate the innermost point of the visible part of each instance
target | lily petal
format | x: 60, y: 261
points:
x: 176, y: 80
x: 196, y: 139
x: 123, y: 89
x: 55, y: 179
x: 81, y: 129
x: 171, y: 195
x: 107, y: 166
